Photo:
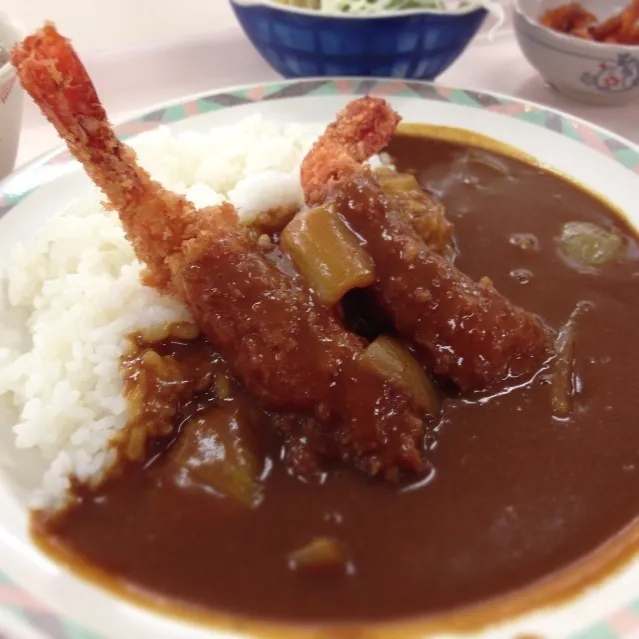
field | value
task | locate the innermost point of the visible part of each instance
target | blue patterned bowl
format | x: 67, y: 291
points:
x: 416, y: 44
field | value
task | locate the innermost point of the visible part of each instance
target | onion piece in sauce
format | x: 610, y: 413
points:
x: 321, y: 554
x: 562, y: 367
x: 562, y: 387
x: 392, y: 358
x: 589, y: 245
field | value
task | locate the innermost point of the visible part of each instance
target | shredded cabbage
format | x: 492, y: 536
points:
x: 378, y: 6
x: 368, y: 7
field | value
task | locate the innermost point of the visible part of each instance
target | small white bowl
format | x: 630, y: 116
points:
x: 603, y: 74
x: 11, y: 95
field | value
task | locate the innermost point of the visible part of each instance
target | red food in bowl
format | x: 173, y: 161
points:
x: 575, y: 20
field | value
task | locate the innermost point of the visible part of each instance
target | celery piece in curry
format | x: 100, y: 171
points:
x: 327, y: 254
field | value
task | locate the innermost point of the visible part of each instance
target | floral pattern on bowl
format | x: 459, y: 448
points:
x: 618, y: 77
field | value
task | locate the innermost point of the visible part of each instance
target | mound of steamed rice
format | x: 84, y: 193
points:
x: 78, y: 286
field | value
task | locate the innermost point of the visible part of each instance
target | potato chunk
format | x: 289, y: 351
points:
x: 217, y: 452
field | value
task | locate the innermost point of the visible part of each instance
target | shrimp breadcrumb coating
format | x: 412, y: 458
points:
x: 465, y: 330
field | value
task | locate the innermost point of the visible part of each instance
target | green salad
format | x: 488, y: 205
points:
x: 374, y: 6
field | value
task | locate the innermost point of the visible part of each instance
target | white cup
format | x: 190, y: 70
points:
x: 11, y: 95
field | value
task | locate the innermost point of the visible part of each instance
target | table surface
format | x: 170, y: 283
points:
x: 142, y: 52
x: 166, y: 66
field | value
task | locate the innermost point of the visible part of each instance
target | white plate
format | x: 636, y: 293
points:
x: 58, y: 601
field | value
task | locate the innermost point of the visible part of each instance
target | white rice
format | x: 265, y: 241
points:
x: 77, y: 284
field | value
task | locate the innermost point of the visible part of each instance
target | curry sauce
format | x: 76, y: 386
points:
x: 514, y: 494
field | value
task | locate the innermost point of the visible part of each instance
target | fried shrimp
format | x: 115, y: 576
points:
x: 467, y: 331
x: 362, y: 128
x: 289, y: 351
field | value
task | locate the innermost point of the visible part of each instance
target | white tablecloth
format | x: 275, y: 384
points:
x: 133, y: 78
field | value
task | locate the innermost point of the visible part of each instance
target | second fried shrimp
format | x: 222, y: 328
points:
x: 362, y: 129
x: 467, y: 331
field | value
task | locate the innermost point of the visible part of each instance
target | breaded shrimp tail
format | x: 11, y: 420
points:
x: 364, y: 127
x: 51, y: 72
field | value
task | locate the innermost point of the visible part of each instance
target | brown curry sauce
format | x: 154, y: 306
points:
x: 516, y: 495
